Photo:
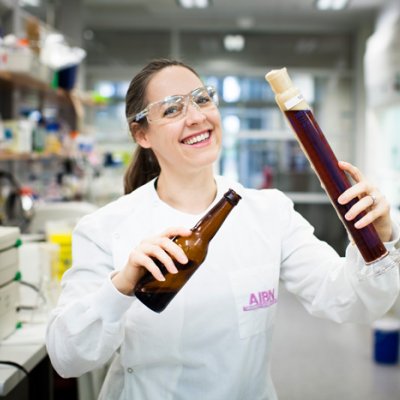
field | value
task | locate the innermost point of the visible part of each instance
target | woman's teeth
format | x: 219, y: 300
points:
x: 197, y: 139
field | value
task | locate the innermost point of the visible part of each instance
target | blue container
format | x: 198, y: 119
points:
x: 387, y: 341
x: 67, y: 77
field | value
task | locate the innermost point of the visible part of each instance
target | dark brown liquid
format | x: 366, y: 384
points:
x: 334, y: 180
x: 157, y: 294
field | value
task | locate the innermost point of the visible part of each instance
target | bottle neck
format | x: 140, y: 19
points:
x: 287, y: 96
x: 209, y: 225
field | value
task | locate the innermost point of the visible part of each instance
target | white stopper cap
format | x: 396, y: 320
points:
x: 279, y: 80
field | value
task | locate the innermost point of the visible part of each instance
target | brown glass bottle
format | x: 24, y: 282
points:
x: 155, y: 294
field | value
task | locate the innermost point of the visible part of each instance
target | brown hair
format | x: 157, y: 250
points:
x: 144, y: 165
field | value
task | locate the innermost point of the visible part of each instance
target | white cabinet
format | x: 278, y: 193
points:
x: 382, y: 81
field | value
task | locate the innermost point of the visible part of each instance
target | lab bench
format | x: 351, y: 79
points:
x: 14, y: 384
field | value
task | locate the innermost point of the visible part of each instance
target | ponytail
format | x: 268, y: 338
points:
x: 143, y: 168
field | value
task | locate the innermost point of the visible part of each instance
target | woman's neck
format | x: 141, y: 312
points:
x: 191, y: 194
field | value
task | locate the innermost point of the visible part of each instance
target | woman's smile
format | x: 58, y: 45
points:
x: 198, y: 139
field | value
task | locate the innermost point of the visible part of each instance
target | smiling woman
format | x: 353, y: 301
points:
x: 169, y: 118
x: 222, y: 319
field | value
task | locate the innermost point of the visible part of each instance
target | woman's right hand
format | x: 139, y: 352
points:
x: 160, y: 247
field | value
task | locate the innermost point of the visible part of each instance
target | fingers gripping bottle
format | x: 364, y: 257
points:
x: 325, y: 164
x: 155, y: 294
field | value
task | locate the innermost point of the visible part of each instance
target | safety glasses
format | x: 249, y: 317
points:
x: 174, y: 108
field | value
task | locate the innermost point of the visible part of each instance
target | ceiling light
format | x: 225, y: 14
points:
x: 194, y: 3
x: 331, y: 4
x: 29, y: 3
x: 234, y: 42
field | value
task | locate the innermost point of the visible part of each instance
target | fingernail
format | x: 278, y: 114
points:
x: 183, y: 258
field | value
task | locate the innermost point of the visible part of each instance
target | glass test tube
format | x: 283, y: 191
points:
x: 325, y: 164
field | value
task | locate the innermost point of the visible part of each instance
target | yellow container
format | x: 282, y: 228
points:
x: 64, y: 241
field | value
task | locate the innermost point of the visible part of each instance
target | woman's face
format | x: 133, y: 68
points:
x: 176, y: 144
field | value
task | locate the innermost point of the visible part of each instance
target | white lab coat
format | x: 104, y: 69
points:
x: 213, y: 340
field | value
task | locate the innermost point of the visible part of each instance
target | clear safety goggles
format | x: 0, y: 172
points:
x: 174, y: 108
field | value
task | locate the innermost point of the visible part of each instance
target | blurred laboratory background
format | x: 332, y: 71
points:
x: 64, y: 145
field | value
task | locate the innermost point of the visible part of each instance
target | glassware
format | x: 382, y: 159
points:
x: 333, y: 179
x: 155, y: 294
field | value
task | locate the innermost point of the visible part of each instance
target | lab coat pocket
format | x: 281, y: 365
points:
x: 256, y: 293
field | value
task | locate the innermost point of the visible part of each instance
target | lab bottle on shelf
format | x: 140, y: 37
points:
x: 155, y: 294
x: 325, y: 164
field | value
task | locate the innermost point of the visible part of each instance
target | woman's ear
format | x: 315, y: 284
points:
x: 139, y: 134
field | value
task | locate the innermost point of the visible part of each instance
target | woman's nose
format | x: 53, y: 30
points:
x: 194, y: 114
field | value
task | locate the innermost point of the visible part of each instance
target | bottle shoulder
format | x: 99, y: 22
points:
x: 194, y: 246
x: 195, y: 239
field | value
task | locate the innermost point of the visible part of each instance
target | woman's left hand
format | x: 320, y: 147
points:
x: 371, y: 201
